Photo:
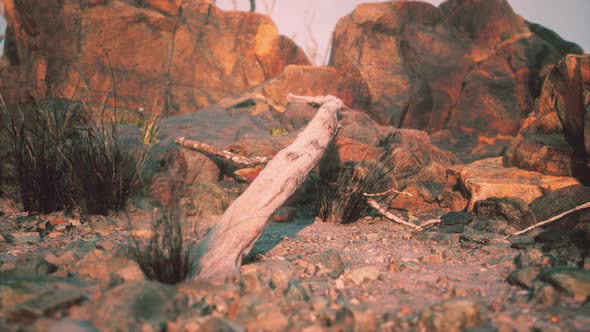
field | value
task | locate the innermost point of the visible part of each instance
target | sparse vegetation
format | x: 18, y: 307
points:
x: 37, y: 139
x: 165, y: 256
x: 63, y: 158
x: 342, y: 199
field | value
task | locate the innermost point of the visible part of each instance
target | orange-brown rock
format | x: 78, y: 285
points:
x: 305, y: 81
x: 488, y: 178
x: 414, y: 157
x: 187, y: 54
x: 249, y: 174
x: 467, y: 72
x: 295, y: 79
x: 257, y: 123
x: 350, y: 149
x: 555, y: 139
x: 419, y: 169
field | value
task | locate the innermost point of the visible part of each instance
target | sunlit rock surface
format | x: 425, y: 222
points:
x: 467, y: 72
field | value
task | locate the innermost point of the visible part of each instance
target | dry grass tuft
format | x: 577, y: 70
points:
x: 165, y: 256
x: 64, y: 159
x: 342, y: 198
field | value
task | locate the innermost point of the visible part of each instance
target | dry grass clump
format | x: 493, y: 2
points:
x: 342, y: 198
x: 165, y: 256
x: 38, y: 139
x: 64, y: 159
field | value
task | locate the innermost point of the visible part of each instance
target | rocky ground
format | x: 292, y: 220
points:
x: 62, y: 273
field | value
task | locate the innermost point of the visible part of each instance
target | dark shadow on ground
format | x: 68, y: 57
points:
x: 274, y: 233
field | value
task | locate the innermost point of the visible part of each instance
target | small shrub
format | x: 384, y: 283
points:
x: 342, y: 199
x: 165, y: 256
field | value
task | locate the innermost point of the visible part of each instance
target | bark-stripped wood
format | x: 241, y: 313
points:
x: 234, y: 159
x: 221, y: 252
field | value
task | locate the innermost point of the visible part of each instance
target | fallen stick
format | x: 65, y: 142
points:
x: 390, y: 215
x: 387, y: 192
x: 552, y: 219
x: 220, y: 253
x: 429, y: 223
x: 235, y: 159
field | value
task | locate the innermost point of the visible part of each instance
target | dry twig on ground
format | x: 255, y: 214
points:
x: 552, y: 219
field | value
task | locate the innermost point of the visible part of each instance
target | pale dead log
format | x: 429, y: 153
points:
x: 552, y: 219
x: 233, y: 158
x: 221, y: 252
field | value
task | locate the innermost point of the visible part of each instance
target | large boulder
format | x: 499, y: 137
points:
x: 467, y: 72
x: 179, y: 55
x: 555, y: 139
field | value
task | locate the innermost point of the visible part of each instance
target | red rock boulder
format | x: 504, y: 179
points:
x: 555, y: 139
x: 467, y: 72
x: 185, y: 54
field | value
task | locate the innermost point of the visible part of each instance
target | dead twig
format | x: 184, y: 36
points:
x: 429, y: 223
x: 390, y: 215
x: 552, y: 219
x: 392, y: 190
x: 397, y: 219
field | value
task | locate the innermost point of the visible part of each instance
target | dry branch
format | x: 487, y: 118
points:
x: 221, y: 252
x: 387, y: 192
x: 552, y: 219
x: 236, y: 160
x: 397, y: 219
x: 429, y: 223
x: 390, y: 215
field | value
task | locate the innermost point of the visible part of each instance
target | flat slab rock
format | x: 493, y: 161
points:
x: 488, y: 178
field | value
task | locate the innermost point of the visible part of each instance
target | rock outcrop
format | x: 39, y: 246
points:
x: 259, y: 122
x: 555, y: 139
x: 488, y: 178
x: 185, y: 54
x: 467, y: 72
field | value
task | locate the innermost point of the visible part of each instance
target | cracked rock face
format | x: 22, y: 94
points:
x: 184, y: 57
x: 555, y: 138
x: 466, y: 77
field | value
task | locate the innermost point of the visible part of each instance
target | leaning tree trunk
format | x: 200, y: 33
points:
x: 221, y: 252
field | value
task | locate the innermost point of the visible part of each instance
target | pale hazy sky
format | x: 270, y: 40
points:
x: 569, y: 18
